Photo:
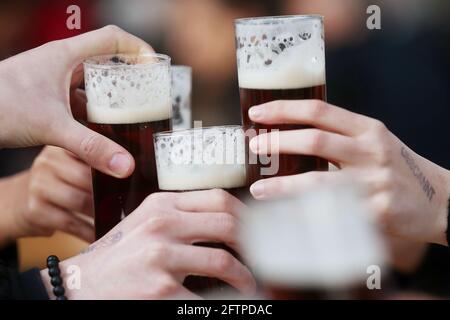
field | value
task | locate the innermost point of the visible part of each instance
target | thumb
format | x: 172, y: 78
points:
x: 96, y: 150
x: 107, y: 40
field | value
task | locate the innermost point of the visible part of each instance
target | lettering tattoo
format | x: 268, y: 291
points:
x: 104, y: 242
x: 425, y: 184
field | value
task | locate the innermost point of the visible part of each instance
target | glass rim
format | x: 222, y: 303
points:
x: 266, y: 19
x: 192, y: 130
x: 95, y: 61
x: 181, y: 67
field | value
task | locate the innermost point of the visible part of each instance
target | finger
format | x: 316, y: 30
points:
x: 69, y: 169
x: 315, y: 113
x: 315, y: 142
x: 208, y: 227
x: 217, y: 200
x: 107, y: 40
x: 288, y: 185
x: 59, y: 219
x: 67, y: 197
x: 213, y: 263
x: 96, y: 150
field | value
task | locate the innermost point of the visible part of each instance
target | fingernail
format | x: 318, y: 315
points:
x: 257, y: 189
x: 254, y: 145
x: 120, y: 164
x: 255, y: 112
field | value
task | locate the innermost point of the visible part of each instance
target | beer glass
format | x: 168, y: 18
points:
x: 318, y: 246
x: 181, y: 97
x: 204, y: 158
x: 281, y: 58
x: 128, y: 101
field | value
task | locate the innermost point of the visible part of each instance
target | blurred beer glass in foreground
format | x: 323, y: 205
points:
x: 181, y: 97
x: 128, y: 101
x: 318, y: 246
x: 281, y: 58
x: 199, y: 159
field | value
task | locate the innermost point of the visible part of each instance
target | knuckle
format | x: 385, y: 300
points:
x: 158, y: 223
x: 112, y: 28
x: 157, y: 252
x: 91, y: 145
x: 167, y: 286
x: 80, y: 201
x: 33, y: 205
x: 316, y: 110
x: 383, y: 154
x: 35, y: 183
x: 34, y: 212
x: 221, y: 260
x: 316, y: 141
x: 222, y: 198
x: 378, y: 127
x: 158, y: 202
x: 157, y: 197
x: 384, y: 207
x: 228, y: 224
x: 386, y: 177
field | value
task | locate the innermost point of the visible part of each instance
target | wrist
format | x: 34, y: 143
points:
x: 71, y: 292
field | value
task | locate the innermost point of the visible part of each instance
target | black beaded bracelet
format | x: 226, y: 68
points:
x: 55, y: 277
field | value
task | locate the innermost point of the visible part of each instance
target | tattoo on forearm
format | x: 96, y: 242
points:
x: 414, y: 167
x: 104, y: 242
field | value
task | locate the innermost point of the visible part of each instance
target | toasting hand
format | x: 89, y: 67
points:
x: 408, y: 193
x: 38, y: 86
x: 53, y: 195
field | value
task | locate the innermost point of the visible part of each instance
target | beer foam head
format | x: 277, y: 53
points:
x: 128, y: 88
x: 201, y: 158
x: 321, y: 240
x: 280, y: 52
x: 181, y: 97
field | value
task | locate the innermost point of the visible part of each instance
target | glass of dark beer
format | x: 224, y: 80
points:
x: 129, y: 100
x: 281, y: 58
x: 200, y: 159
x: 181, y: 97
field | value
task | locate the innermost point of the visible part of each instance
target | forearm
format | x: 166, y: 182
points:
x: 443, y: 198
x: 12, y: 200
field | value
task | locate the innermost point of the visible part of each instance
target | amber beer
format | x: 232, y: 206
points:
x: 281, y: 58
x: 128, y: 101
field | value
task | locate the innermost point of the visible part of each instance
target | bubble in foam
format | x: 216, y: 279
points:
x: 202, y: 158
x: 181, y: 97
x: 280, y: 53
x: 126, y: 89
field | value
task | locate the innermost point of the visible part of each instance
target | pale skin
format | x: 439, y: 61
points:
x: 149, y: 254
x: 407, y: 193
x: 54, y: 194
x: 39, y: 90
x: 39, y: 86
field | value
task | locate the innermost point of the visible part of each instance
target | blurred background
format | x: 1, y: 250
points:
x: 399, y: 74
